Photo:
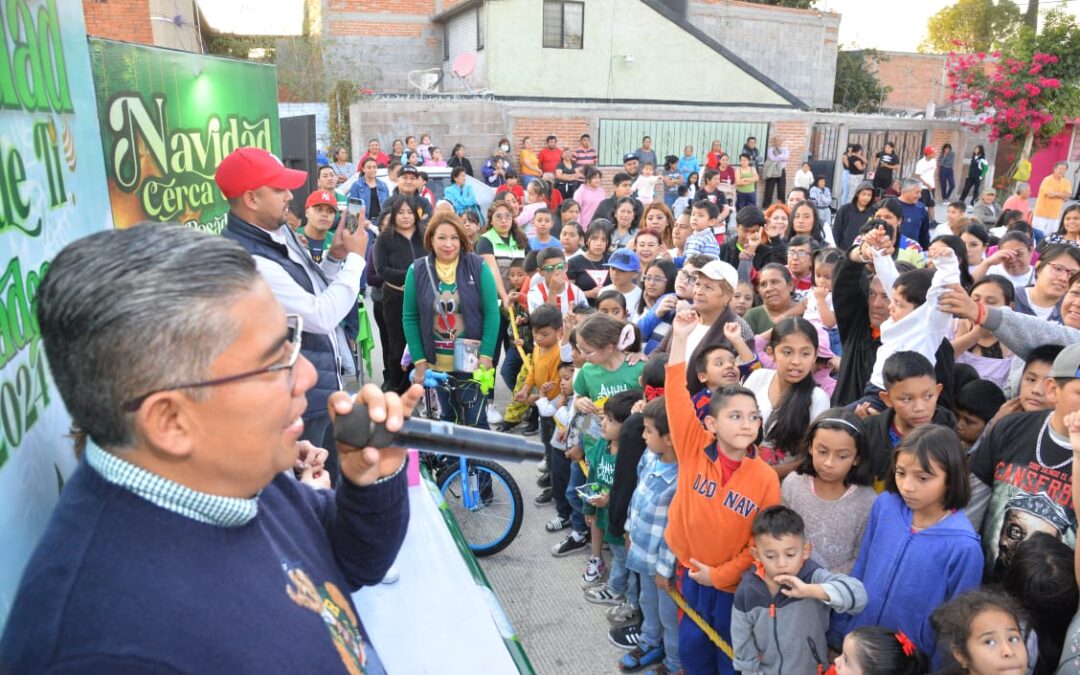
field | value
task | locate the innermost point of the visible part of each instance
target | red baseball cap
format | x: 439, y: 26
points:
x: 321, y: 197
x: 252, y: 168
x: 928, y: 150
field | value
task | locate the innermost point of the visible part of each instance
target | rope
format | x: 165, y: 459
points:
x: 514, y: 328
x: 709, y: 631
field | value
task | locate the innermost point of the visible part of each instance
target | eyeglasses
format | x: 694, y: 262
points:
x: 557, y: 267
x: 654, y: 280
x: 501, y: 215
x: 295, y: 325
x: 1061, y: 270
x: 798, y: 254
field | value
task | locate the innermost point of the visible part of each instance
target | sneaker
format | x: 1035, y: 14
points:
x: 493, y: 416
x: 544, y: 480
x: 640, y: 659
x: 557, y: 524
x: 544, y: 498
x: 623, y: 615
x: 542, y: 467
x: 595, y: 568
x: 570, y: 544
x: 603, y: 595
x: 505, y: 427
x: 625, y: 637
x: 392, y: 575
x: 531, y: 430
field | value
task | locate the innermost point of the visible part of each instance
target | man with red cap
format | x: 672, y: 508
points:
x: 258, y: 187
x: 926, y: 172
x: 321, y: 211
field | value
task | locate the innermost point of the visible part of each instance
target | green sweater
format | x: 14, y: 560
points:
x: 411, y: 317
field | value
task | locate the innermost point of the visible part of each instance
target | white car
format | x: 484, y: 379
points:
x: 438, y: 179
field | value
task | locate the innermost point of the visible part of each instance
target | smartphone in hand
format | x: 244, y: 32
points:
x: 352, y: 214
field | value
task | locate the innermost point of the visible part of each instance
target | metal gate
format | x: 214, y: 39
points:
x: 909, y: 145
x: 618, y: 137
x: 824, y: 148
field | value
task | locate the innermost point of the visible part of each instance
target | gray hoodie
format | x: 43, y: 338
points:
x: 778, y: 634
x: 1021, y: 333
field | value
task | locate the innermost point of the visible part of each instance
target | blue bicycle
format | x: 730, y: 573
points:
x: 483, y: 497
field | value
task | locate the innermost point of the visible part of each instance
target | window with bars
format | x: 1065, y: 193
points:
x: 564, y: 24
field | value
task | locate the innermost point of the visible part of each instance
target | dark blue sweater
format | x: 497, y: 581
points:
x: 119, y: 585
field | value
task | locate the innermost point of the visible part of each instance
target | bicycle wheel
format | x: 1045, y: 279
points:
x: 490, y: 526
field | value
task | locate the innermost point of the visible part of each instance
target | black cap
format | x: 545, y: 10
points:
x: 409, y: 170
x: 629, y: 156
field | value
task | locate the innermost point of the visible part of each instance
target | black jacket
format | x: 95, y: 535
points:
x: 631, y: 447
x: 849, y: 220
x: 850, y: 296
x: 394, y: 254
x: 606, y: 210
x: 766, y: 253
x: 463, y: 162
x: 880, y: 445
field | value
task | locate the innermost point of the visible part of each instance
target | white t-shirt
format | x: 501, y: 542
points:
x: 632, y: 297
x: 571, y: 297
x: 645, y: 187
x: 925, y: 170
x: 1041, y: 312
x: 694, y: 339
x: 941, y: 230
x: 1019, y: 281
x: 812, y: 313
x: 759, y: 382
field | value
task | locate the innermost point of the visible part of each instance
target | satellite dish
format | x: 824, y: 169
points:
x: 464, y: 64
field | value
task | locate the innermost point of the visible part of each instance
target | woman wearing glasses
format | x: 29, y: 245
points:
x: 1057, y: 264
x: 451, y: 316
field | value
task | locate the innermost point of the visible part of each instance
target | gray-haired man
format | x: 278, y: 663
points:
x: 181, y: 543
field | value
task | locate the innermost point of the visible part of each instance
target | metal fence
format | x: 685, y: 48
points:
x: 909, y: 145
x: 618, y: 137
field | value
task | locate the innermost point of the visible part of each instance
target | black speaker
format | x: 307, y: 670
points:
x: 298, y: 152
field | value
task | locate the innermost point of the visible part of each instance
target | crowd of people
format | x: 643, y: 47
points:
x: 840, y: 439
x: 795, y: 416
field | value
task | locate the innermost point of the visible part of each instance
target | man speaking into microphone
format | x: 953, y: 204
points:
x: 182, y: 543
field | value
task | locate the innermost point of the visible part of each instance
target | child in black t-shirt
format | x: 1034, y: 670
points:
x: 1029, y: 454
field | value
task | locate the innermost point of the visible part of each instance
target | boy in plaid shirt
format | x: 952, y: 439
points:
x: 649, y: 554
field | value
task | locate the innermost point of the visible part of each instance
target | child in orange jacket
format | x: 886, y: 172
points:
x: 722, y: 485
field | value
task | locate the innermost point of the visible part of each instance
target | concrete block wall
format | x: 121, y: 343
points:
x: 794, y: 47
x: 478, y: 124
x: 322, y: 115
x: 375, y: 43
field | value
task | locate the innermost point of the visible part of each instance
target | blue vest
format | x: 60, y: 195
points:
x: 317, y: 348
x: 471, y: 300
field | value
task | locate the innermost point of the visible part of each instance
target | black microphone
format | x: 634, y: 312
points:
x: 357, y: 429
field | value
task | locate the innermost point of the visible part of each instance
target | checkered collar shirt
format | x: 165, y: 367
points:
x: 170, y: 495
x: 649, y: 552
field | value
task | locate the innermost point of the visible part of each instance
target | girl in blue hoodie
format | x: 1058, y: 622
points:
x: 919, y: 549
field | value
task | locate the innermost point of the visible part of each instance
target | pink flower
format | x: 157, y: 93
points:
x: 1032, y: 90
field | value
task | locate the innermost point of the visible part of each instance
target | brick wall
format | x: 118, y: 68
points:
x: 568, y: 129
x: 127, y: 20
x: 916, y: 80
x: 374, y: 29
x: 424, y: 7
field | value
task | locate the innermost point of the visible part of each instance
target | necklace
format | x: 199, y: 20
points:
x: 1038, y: 447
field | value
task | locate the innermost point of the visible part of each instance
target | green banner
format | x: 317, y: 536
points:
x: 52, y: 191
x: 168, y: 118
